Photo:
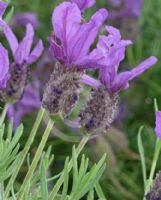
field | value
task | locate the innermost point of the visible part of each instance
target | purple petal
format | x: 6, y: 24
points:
x: 3, y: 6
x: 120, y: 82
x: 84, y: 4
x: 75, y: 38
x: 158, y: 124
x: 66, y: 19
x: 146, y: 64
x: 12, y: 40
x: 90, y: 81
x: 4, y: 66
x: 109, y: 53
x: 36, y: 53
x: 23, y: 50
x: 57, y: 51
x: 86, y: 36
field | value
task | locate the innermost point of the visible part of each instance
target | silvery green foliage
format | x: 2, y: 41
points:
x: 85, y: 180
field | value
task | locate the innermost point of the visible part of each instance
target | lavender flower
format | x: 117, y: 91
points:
x: 4, y: 67
x: 158, y: 124
x: 131, y: 8
x: 29, y: 103
x: 22, y: 19
x: 111, y: 51
x: 70, y: 45
x: 84, y: 4
x: 3, y: 6
x: 18, y: 70
x: 102, y: 107
x: 124, y: 14
x: 71, y: 39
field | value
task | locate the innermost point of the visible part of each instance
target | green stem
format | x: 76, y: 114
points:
x: 25, y: 150
x: 60, y: 180
x: 35, y: 160
x: 154, y: 163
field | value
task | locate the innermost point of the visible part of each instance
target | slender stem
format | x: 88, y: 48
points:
x: 25, y: 150
x: 35, y: 160
x: 154, y: 163
x: 60, y: 180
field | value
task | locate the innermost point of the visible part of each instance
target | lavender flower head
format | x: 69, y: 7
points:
x: 158, y: 124
x: 110, y: 52
x: 18, y: 69
x: 102, y: 107
x: 29, y: 103
x: 72, y: 39
x: 70, y: 44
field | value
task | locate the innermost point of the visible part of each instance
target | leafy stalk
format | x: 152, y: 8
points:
x: 25, y: 151
x: 35, y: 160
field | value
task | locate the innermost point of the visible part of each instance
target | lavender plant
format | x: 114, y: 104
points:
x: 78, y: 48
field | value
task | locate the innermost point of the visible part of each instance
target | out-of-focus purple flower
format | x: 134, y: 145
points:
x: 4, y: 67
x: 72, y: 39
x: 3, y: 6
x: 112, y: 49
x: 131, y: 8
x: 29, y: 102
x: 22, y: 19
x: 21, y: 51
x: 134, y: 7
x: 84, y: 4
x: 158, y: 124
x: 115, y: 2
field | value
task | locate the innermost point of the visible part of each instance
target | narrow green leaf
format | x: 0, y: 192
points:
x: 65, y: 183
x: 142, y: 155
x: 44, y: 187
x: 99, y: 191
